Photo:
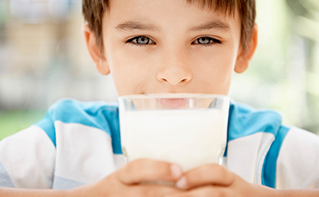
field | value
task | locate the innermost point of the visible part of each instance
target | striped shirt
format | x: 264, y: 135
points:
x: 78, y: 143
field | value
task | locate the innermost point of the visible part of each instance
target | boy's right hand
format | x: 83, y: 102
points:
x: 126, y: 181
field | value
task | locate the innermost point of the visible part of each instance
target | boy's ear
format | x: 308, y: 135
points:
x: 94, y: 51
x: 244, y: 57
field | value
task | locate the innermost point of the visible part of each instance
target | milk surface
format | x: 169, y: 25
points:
x: 190, y: 138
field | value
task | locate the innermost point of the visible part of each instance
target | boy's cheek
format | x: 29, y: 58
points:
x: 128, y: 84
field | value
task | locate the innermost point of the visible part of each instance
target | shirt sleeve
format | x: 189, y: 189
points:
x: 298, y: 161
x: 27, y: 159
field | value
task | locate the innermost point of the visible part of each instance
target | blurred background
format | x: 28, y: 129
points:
x: 43, y: 58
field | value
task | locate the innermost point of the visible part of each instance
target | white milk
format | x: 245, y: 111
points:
x: 189, y: 138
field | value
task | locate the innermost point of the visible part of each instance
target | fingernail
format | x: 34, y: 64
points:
x: 176, y: 171
x: 182, y: 183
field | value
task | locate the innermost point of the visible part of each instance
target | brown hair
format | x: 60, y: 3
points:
x: 93, y: 11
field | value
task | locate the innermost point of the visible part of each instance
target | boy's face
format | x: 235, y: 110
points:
x: 166, y: 46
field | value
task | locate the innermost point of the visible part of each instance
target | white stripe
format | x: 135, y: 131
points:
x: 245, y: 156
x: 298, y: 161
x: 65, y: 184
x: 28, y: 156
x: 84, y: 154
x: 119, y: 160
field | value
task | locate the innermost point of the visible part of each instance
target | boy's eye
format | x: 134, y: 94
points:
x: 141, y: 40
x: 206, y: 41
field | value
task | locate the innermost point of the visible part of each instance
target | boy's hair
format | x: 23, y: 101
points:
x: 93, y: 11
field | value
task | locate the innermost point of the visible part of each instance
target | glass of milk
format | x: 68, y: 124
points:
x: 186, y: 129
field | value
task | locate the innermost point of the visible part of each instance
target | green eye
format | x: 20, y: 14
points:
x: 141, y: 40
x: 206, y: 41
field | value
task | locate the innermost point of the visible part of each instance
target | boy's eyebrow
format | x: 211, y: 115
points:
x: 135, y: 25
x: 215, y: 24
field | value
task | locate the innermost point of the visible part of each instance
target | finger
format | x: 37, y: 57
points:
x: 210, y: 174
x: 207, y: 191
x: 144, y: 170
x: 153, y: 190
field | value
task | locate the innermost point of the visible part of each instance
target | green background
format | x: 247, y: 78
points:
x: 14, y: 121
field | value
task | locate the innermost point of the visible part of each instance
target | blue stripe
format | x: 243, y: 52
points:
x: 270, y: 164
x: 93, y: 114
x: 47, y: 125
x: 112, y: 117
x: 5, y: 180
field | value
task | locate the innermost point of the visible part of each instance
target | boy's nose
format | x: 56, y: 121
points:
x: 174, y: 73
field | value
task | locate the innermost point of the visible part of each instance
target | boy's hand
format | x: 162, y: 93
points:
x: 215, y: 180
x: 126, y: 181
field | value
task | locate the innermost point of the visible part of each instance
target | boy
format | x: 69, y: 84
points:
x: 161, y: 46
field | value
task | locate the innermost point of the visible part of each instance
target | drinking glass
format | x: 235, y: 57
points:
x: 186, y: 129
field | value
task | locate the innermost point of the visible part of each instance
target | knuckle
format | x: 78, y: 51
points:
x: 163, y: 168
x: 207, y: 167
x: 213, y: 169
x: 137, y: 164
x: 130, y: 170
x: 159, y: 168
x: 132, y: 166
x: 226, y: 175
x: 223, y: 171
x: 218, y: 170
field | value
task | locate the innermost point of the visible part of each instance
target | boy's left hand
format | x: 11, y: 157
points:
x: 216, y: 180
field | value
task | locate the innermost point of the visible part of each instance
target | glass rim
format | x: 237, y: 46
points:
x: 173, y: 96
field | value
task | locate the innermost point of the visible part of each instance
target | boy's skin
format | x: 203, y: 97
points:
x: 175, y: 61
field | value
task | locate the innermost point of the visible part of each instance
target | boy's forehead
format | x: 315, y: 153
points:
x: 149, y: 14
x: 224, y: 7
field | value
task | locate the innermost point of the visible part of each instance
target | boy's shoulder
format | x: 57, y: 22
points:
x: 94, y: 114
x: 262, y: 150
x: 68, y: 108
x: 245, y: 120
x: 74, y: 144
